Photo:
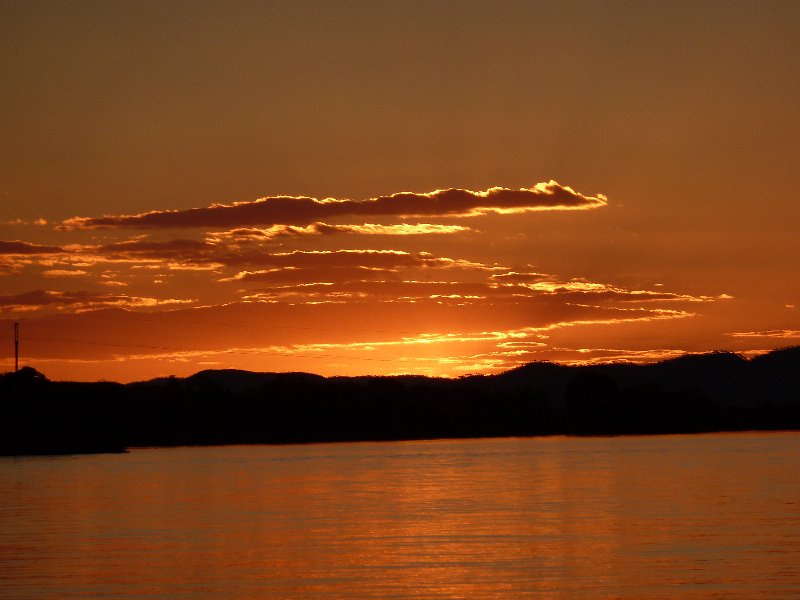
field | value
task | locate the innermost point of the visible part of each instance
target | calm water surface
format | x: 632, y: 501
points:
x: 709, y: 516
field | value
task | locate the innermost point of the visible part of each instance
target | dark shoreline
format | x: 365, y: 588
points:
x: 126, y: 450
x: 708, y: 393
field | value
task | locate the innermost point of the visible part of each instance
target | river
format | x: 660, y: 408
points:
x: 688, y: 516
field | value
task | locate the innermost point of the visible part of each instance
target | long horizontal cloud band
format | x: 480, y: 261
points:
x: 291, y: 210
x: 17, y: 247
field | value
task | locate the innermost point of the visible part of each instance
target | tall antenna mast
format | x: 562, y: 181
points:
x: 16, y: 347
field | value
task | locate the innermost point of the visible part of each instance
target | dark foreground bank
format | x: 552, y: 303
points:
x: 695, y: 393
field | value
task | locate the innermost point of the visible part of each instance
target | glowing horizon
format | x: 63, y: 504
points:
x: 458, y: 315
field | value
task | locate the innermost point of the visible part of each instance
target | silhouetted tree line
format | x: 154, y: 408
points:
x: 697, y: 393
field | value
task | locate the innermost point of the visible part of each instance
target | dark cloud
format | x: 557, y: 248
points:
x: 177, y: 252
x: 146, y: 249
x: 17, y: 247
x: 228, y: 253
x: 41, y: 298
x: 254, y: 234
x: 301, y: 210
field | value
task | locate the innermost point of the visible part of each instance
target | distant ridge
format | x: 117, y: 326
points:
x: 233, y: 380
x: 718, y: 391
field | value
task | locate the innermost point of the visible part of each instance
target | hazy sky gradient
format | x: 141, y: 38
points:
x: 684, y: 115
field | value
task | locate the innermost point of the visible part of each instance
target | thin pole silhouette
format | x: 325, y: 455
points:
x: 16, y: 347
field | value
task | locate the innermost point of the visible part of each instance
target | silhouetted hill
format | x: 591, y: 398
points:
x: 549, y: 379
x: 39, y: 416
x: 704, y: 392
x: 26, y: 374
x: 780, y: 364
x: 229, y: 380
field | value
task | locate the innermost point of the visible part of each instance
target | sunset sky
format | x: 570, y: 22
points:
x: 434, y: 187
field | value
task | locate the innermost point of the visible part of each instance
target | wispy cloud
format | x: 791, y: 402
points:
x: 64, y: 273
x: 363, y: 259
x: 514, y: 277
x: 253, y: 261
x: 302, y: 210
x: 599, y: 356
x: 78, y: 301
x: 784, y: 334
x: 40, y: 222
x: 298, y: 281
x: 387, y: 282
x: 362, y: 335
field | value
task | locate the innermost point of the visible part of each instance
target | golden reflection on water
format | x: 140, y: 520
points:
x: 662, y: 517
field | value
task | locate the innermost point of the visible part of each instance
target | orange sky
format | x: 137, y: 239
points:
x: 395, y: 187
